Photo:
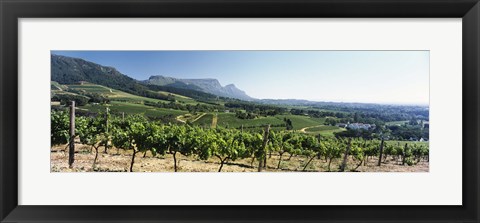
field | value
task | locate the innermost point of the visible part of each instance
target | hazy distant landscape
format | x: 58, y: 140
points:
x: 163, y: 123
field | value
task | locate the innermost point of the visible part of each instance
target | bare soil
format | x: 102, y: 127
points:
x: 119, y: 161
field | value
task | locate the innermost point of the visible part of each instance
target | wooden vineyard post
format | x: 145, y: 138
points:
x: 106, y: 120
x: 381, y: 153
x: 345, y: 157
x: 71, y: 151
x: 262, y: 152
x: 106, y: 130
x: 319, y: 137
x: 123, y: 116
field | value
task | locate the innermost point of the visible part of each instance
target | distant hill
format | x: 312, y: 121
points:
x: 69, y: 70
x: 207, y: 85
x: 293, y: 102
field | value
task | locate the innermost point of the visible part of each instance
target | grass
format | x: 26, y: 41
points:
x: 300, y: 121
x: 231, y: 121
x: 191, y: 117
x: 57, y: 92
x: 133, y: 104
x: 313, y: 108
x: 205, y: 120
x: 56, y: 86
x: 181, y: 98
x: 120, y: 96
x: 112, y: 94
x: 321, y: 128
x: 329, y: 132
x: 125, y: 102
x: 131, y: 108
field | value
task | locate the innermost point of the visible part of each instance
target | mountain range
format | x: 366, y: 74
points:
x: 208, y: 85
x: 69, y: 70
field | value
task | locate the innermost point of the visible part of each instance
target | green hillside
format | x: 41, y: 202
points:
x: 126, y: 103
x: 120, y: 102
x: 324, y: 130
x: 112, y: 94
x: 71, y: 71
x: 131, y: 108
x: 277, y: 122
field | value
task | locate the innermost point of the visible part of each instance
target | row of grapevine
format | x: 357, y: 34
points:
x: 137, y: 134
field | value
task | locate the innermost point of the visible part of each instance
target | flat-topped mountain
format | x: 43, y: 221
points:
x: 69, y: 70
x: 208, y: 85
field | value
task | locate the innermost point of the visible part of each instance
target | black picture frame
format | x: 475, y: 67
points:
x: 12, y: 10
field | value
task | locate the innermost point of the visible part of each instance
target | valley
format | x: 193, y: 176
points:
x: 127, y: 104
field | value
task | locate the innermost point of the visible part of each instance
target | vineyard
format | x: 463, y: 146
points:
x: 134, y: 137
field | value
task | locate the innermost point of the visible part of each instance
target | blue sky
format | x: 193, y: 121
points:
x: 398, y: 77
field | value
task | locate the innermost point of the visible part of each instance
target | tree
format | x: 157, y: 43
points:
x: 65, y: 99
x: 356, y: 117
x: 288, y: 123
x: 330, y: 121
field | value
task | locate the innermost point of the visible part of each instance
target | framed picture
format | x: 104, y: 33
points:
x: 268, y: 111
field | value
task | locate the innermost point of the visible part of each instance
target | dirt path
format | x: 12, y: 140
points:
x: 304, y: 129
x: 214, y: 121
x: 200, y: 116
x: 196, y: 119
x: 180, y: 120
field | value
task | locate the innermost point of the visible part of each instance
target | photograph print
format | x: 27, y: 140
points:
x: 239, y: 111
